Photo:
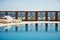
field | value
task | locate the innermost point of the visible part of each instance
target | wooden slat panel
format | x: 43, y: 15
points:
x: 46, y: 16
x: 26, y: 16
x: 36, y: 16
x: 6, y: 13
x: 56, y: 16
x: 16, y: 15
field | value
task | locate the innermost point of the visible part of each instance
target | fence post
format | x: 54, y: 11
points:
x: 6, y: 12
x: 16, y: 13
x: 46, y: 25
x: 56, y: 19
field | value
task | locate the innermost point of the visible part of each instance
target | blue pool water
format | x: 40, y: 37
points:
x: 31, y: 34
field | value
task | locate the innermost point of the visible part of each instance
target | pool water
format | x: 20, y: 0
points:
x: 31, y: 33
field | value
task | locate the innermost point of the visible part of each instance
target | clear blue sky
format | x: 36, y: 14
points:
x: 25, y: 5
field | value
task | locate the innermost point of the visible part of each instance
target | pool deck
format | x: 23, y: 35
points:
x: 27, y: 22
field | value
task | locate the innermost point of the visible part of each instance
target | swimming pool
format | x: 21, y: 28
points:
x: 30, y: 33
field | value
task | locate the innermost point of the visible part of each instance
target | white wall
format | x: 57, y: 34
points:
x: 29, y: 5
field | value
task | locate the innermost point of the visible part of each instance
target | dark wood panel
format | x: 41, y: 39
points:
x: 6, y: 13
x: 36, y: 16
x: 56, y: 16
x: 26, y: 16
x: 16, y: 15
x: 46, y: 16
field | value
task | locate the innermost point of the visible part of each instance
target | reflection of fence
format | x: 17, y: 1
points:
x: 37, y: 16
x: 36, y: 26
